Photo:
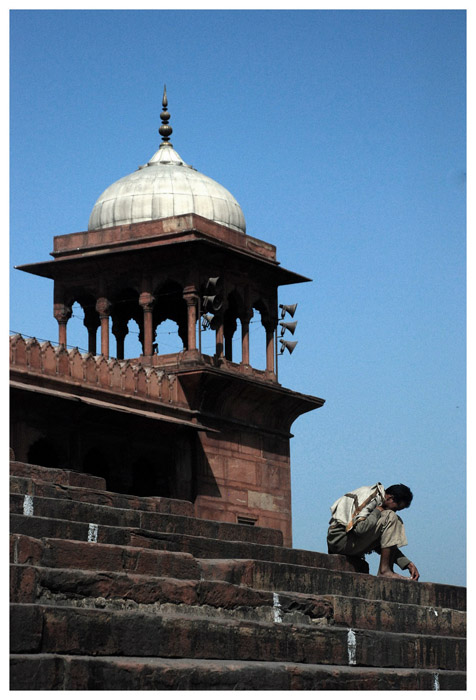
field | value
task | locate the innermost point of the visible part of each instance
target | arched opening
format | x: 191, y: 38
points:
x: 167, y: 337
x: 237, y: 344
x: 43, y: 453
x: 232, y: 350
x: 127, y: 323
x: 83, y: 316
x: 170, y: 306
x: 132, y: 341
x: 76, y: 335
x: 207, y: 336
x: 257, y: 334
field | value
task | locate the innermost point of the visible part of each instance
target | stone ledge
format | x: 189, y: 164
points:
x: 57, y: 672
x: 123, y: 590
x: 66, y: 630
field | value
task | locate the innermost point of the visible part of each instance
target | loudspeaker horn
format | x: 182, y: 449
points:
x: 213, y: 301
x: 288, y: 327
x: 206, y: 321
x: 212, y: 282
x: 290, y: 308
x: 289, y: 345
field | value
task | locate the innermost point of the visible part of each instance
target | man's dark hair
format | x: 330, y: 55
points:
x: 400, y: 493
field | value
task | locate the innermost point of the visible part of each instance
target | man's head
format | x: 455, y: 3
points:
x: 397, y: 497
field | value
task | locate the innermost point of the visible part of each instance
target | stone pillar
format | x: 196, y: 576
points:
x: 62, y: 314
x: 119, y: 330
x: 92, y: 331
x: 229, y: 348
x: 103, y: 307
x: 269, y: 347
x: 219, y: 337
x: 191, y: 297
x: 146, y: 300
x: 229, y: 328
x: 245, y: 338
x: 91, y: 322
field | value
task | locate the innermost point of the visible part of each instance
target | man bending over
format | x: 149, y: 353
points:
x: 366, y: 520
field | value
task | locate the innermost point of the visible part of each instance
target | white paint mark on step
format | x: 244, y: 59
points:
x: 436, y: 682
x: 28, y: 505
x: 278, y: 615
x: 93, y: 532
x: 351, y: 647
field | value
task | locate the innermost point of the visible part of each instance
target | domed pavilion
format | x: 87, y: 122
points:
x: 165, y: 242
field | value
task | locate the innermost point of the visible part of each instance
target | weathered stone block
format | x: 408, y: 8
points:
x: 266, y: 501
x: 37, y: 672
x: 26, y: 628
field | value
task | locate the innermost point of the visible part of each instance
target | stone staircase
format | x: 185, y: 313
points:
x: 117, y: 592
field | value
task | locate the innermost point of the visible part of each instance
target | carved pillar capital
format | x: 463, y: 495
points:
x: 190, y: 294
x: 190, y: 299
x: 146, y: 300
x: 103, y: 307
x: 62, y: 312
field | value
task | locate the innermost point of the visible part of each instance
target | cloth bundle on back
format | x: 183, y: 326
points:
x: 357, y: 504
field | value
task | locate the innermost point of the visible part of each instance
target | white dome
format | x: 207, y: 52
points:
x: 165, y: 187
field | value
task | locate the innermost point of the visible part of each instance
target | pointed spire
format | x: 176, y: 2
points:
x: 165, y: 130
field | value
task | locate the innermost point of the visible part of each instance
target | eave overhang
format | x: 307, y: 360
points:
x: 157, y: 239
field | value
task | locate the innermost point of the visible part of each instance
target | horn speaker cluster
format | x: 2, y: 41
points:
x: 288, y: 345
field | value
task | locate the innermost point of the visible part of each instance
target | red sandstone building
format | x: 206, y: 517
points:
x: 165, y: 242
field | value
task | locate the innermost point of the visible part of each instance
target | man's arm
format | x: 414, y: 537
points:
x: 414, y: 574
x: 404, y: 563
x: 365, y: 523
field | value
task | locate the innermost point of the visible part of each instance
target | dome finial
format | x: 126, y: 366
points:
x: 165, y: 130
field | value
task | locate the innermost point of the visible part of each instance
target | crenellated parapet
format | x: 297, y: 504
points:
x: 121, y: 376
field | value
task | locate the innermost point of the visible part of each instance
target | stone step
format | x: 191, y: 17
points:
x: 35, y: 487
x: 56, y: 672
x: 302, y: 574
x: 57, y: 476
x: 192, y: 598
x: 206, y: 548
x: 201, y: 547
x: 126, y: 590
x: 67, y: 630
x: 91, y: 556
x: 114, y: 591
x: 277, y: 576
x: 124, y: 517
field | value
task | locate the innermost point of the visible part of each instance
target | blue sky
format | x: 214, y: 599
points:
x: 342, y: 136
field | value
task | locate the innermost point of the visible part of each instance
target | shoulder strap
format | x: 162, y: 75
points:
x: 360, y: 507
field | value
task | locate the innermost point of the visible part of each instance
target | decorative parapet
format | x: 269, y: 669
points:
x: 122, y: 376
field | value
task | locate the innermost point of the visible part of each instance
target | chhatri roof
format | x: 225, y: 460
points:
x: 165, y: 186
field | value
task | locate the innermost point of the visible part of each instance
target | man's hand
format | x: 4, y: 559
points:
x: 414, y: 575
